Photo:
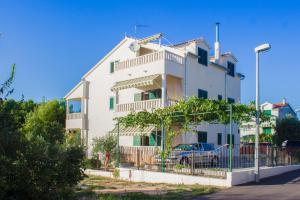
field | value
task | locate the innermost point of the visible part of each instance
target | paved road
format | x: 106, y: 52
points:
x: 285, y: 186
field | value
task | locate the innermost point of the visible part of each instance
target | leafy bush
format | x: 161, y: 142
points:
x: 116, y: 173
x: 105, y: 144
x: 35, y: 163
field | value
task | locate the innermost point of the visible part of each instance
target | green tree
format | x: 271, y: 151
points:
x: 287, y: 129
x: 43, y: 167
x: 5, y: 88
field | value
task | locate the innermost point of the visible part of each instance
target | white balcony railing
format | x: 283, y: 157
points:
x: 149, y: 58
x: 74, y: 116
x: 139, y: 105
x: 142, y: 105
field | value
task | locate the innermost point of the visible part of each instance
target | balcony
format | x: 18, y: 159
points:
x: 142, y: 105
x: 74, y: 116
x: 149, y: 58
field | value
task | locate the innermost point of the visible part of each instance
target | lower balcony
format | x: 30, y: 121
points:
x: 74, y: 120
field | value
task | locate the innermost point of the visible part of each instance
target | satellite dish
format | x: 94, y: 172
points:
x: 134, y: 46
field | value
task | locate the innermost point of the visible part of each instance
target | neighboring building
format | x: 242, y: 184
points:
x: 139, y: 74
x: 276, y: 111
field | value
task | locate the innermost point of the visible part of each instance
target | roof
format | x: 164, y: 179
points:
x: 280, y: 105
x: 230, y: 54
x: 77, y: 86
x: 201, y: 39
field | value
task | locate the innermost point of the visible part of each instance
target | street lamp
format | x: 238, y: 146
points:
x: 259, y: 49
x: 297, y: 111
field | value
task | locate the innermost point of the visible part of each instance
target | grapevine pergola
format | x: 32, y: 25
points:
x: 185, y: 115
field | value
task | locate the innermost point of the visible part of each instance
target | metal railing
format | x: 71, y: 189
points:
x: 149, y: 58
x: 213, y: 163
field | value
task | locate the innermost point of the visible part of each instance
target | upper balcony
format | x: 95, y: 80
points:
x: 154, y: 63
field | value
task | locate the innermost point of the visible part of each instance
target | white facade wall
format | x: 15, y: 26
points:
x: 212, y: 78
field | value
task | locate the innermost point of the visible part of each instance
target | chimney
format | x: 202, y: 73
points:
x: 284, y: 101
x: 217, y: 44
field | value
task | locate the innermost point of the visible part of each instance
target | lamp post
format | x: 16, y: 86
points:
x: 259, y: 49
x: 297, y: 111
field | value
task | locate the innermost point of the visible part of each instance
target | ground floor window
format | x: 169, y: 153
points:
x: 152, y: 140
x: 202, y: 136
x: 228, y: 139
x: 219, y: 139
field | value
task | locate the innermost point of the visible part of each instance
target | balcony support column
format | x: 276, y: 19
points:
x: 164, y: 89
x: 67, y: 106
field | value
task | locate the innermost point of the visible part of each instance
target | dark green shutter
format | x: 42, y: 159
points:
x: 112, y: 67
x: 231, y: 69
x: 202, y: 94
x: 228, y: 139
x: 152, y: 139
x: 138, y: 97
x: 136, y: 140
x: 202, y: 56
x: 220, y: 97
x: 230, y: 100
x: 152, y: 95
x: 111, y: 103
x: 202, y: 136
x: 219, y: 138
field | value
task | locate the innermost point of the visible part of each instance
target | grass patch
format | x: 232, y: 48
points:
x: 97, y: 187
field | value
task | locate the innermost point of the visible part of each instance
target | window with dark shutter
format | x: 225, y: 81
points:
x: 228, y: 139
x: 220, y: 97
x: 112, y: 67
x: 202, y: 136
x: 219, y: 138
x: 111, y: 103
x: 230, y: 100
x: 231, y: 69
x: 202, y: 94
x: 202, y: 56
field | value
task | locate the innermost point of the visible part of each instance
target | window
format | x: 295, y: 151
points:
x: 202, y: 94
x: 152, y: 94
x: 267, y: 112
x: 138, y: 97
x: 228, y: 139
x: 140, y: 140
x: 267, y: 130
x: 230, y: 100
x: 155, y: 94
x: 155, y: 140
x: 136, y: 140
x: 112, y: 67
x: 219, y: 138
x: 231, y: 70
x: 111, y: 103
x: 202, y: 56
x: 202, y: 136
x: 220, y: 97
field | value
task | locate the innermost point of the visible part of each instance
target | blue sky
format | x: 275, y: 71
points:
x: 54, y: 42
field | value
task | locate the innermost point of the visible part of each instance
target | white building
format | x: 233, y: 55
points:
x: 276, y: 111
x: 140, y: 74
